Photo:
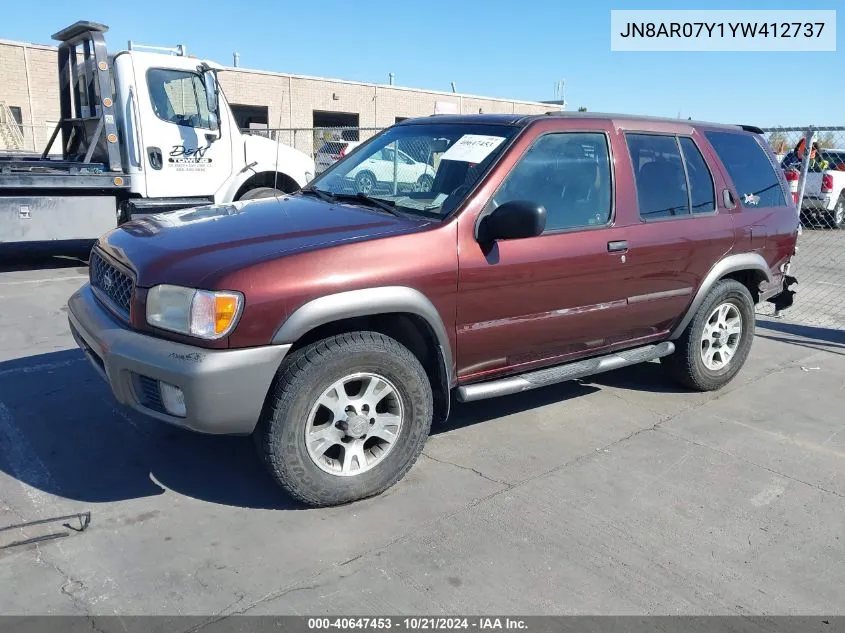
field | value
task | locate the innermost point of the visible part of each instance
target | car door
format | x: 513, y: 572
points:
x: 184, y: 154
x: 680, y: 231
x: 544, y: 299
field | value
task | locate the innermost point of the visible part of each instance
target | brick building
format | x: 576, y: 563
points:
x: 29, y: 100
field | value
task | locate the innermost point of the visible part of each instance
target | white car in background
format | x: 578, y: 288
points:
x: 379, y: 171
x: 332, y: 151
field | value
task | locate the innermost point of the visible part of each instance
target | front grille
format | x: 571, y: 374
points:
x: 112, y: 282
x: 150, y: 394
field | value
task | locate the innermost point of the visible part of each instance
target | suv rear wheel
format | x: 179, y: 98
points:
x: 346, y: 419
x: 716, y: 343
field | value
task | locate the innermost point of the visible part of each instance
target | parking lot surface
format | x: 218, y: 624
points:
x: 617, y: 495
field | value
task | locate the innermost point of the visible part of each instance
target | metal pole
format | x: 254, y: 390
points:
x: 395, y: 167
x: 805, y: 165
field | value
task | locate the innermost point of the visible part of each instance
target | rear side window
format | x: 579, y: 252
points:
x: 702, y: 193
x: 750, y: 169
x: 659, y: 172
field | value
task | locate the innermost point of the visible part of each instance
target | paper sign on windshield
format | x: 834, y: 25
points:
x: 472, y: 148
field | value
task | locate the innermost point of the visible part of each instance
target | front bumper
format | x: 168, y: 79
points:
x: 224, y: 390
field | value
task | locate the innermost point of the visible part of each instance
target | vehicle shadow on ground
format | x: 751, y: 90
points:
x: 469, y: 413
x: 820, y: 335
x: 36, y: 262
x: 62, y: 432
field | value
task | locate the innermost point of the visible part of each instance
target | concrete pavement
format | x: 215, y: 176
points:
x: 621, y: 495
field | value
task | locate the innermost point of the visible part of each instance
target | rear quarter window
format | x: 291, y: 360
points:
x: 749, y: 168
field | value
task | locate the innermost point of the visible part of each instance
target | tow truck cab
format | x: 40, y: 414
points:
x: 140, y: 133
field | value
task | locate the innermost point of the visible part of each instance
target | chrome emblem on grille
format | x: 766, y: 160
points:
x: 108, y: 282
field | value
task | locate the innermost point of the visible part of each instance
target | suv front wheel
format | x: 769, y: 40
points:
x: 715, y: 344
x: 346, y: 418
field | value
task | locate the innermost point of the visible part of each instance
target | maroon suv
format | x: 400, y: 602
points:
x: 336, y: 323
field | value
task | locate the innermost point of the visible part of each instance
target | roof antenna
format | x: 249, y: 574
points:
x: 278, y: 131
x: 453, y: 87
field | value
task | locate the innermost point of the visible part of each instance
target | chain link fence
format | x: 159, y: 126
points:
x: 813, y: 161
x: 407, y: 165
x: 325, y: 145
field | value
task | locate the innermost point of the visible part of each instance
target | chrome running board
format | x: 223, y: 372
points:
x: 561, y: 373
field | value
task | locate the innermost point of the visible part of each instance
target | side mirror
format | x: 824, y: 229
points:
x: 212, y: 97
x: 513, y: 220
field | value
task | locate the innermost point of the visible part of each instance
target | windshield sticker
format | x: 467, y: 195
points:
x: 472, y: 148
x: 423, y: 205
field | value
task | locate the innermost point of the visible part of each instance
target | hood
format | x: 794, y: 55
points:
x: 194, y: 247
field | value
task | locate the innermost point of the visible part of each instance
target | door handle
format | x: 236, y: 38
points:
x: 156, y: 161
x: 617, y: 246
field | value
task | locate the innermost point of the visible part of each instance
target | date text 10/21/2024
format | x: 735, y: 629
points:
x: 417, y: 623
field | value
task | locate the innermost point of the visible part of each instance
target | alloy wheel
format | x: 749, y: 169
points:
x: 721, y: 336
x: 354, y: 425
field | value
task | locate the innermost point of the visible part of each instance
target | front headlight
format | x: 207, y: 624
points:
x: 201, y: 313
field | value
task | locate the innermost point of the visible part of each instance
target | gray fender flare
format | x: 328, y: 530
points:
x: 366, y: 302
x: 730, y: 264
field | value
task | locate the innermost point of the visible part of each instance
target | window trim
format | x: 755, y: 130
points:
x: 670, y: 218
x: 187, y: 72
x: 715, y: 209
x: 611, y: 220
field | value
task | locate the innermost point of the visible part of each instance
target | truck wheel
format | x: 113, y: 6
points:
x: 365, y: 182
x: 716, y: 343
x: 262, y: 192
x: 424, y: 183
x: 346, y: 418
x: 837, y: 215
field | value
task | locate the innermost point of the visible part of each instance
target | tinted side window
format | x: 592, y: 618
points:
x: 661, y: 183
x: 569, y: 174
x: 749, y: 168
x: 702, y: 195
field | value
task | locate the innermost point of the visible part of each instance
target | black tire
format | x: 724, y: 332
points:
x: 836, y: 218
x: 302, y: 379
x: 262, y: 192
x: 365, y: 182
x: 424, y: 183
x: 686, y: 365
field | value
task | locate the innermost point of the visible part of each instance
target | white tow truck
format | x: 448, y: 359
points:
x: 140, y: 133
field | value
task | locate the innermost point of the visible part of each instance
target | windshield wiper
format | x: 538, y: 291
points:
x: 325, y: 196
x: 384, y: 205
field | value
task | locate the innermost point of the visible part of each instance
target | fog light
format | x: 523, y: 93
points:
x: 173, y: 399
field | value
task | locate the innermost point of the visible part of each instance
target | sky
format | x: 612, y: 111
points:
x: 516, y: 50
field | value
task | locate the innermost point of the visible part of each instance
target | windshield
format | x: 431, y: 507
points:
x: 420, y: 169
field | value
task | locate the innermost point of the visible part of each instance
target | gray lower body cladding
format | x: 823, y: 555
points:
x: 224, y: 390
